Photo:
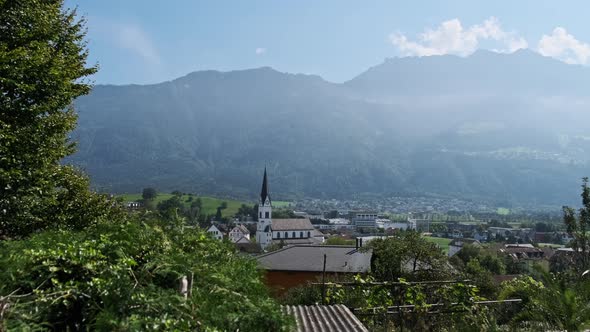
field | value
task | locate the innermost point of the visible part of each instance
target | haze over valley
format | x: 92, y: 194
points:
x: 505, y: 129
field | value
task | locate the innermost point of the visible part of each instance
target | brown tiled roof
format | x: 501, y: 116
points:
x: 292, y: 225
x: 324, y: 318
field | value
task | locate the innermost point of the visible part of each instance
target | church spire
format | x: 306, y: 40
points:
x: 264, y: 193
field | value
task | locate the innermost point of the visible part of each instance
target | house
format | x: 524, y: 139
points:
x: 238, y: 233
x: 524, y: 255
x: 297, y: 265
x: 522, y: 252
x: 457, y: 244
x: 282, y: 231
x: 215, y: 232
x: 319, y: 318
x: 480, y: 236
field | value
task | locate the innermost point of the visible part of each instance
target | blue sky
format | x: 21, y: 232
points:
x: 152, y: 41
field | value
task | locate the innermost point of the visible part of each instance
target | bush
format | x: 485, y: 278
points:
x: 125, y: 276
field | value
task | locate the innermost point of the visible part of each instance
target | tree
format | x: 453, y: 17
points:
x: 124, y: 276
x: 149, y: 194
x: 552, y: 303
x: 406, y: 255
x: 42, y: 70
x: 578, y: 227
x: 171, y: 207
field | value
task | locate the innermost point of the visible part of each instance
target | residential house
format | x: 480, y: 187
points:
x: 523, y: 254
x: 297, y: 265
x: 215, y: 232
x: 457, y: 244
x: 238, y: 233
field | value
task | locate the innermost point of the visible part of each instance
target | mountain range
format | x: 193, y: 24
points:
x: 508, y: 129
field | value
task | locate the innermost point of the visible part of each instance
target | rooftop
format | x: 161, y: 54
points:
x: 324, y: 318
x: 291, y: 224
x: 310, y: 258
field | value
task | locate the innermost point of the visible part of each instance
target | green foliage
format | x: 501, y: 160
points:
x: 578, y: 228
x: 171, y: 207
x: 339, y: 241
x: 149, y: 194
x: 42, y: 70
x: 125, y: 276
x: 208, y: 205
x: 407, y: 255
x: 555, y: 302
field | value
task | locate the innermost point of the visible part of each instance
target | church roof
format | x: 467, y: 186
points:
x: 264, y: 192
x: 291, y: 241
x: 292, y: 225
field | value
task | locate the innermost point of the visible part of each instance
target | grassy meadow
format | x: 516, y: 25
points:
x: 442, y: 242
x: 209, y: 204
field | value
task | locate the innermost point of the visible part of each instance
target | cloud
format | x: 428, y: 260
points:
x: 563, y: 46
x: 135, y: 39
x: 260, y: 50
x: 451, y: 38
x: 129, y: 36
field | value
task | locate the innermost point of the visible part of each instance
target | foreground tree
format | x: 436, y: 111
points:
x: 125, y: 277
x: 68, y: 261
x: 42, y: 70
x: 578, y: 227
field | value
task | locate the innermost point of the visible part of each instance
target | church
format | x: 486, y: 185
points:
x: 281, y: 231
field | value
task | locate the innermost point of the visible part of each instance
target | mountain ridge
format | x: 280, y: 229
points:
x: 212, y: 131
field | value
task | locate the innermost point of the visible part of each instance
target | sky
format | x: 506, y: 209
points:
x: 148, y: 41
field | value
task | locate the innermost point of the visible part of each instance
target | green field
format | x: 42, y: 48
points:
x: 503, y: 211
x: 209, y: 206
x: 442, y: 242
x: 281, y: 204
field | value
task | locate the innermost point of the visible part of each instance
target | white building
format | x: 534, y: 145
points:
x: 215, y: 232
x: 239, y: 232
x: 285, y: 231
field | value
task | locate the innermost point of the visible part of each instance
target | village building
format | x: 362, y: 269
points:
x: 282, y: 231
x: 239, y: 234
x: 215, y: 232
x: 297, y: 265
x: 457, y: 244
x: 364, y: 219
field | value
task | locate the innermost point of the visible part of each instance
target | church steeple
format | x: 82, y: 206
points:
x: 264, y: 226
x: 264, y: 192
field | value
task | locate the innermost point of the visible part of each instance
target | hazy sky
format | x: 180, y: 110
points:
x: 152, y: 41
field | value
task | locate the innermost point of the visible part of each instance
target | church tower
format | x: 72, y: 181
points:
x: 264, y: 227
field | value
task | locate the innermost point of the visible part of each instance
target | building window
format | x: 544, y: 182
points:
x: 308, y: 234
x: 286, y: 235
x: 301, y: 234
x: 266, y: 215
x: 294, y: 235
x: 278, y: 235
x: 260, y: 215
